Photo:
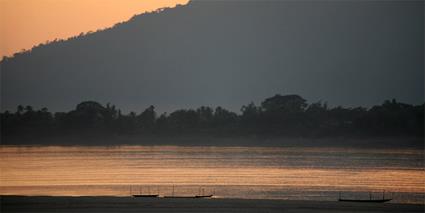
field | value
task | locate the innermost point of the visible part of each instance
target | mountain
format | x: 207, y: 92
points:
x: 229, y: 53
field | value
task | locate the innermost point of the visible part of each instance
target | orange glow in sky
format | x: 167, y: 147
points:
x: 25, y: 23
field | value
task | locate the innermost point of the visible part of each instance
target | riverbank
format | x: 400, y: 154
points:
x: 401, y: 142
x: 128, y: 204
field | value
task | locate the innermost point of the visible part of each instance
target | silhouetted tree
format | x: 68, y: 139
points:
x: 284, y: 103
x: 223, y: 117
x: 287, y: 115
x: 20, y: 109
x: 147, y: 119
x: 182, y: 120
x: 87, y: 115
x: 205, y: 116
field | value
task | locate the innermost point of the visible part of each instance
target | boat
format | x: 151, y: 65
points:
x: 203, y: 196
x: 145, y: 195
x: 172, y: 196
x: 370, y: 200
x: 141, y: 194
x: 196, y: 196
x: 365, y: 200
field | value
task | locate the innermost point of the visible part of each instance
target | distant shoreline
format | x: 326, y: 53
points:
x: 208, y: 140
x: 129, y: 204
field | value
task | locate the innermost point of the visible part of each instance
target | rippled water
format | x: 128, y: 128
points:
x: 243, y: 172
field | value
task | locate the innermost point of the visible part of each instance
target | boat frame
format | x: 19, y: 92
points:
x: 370, y: 200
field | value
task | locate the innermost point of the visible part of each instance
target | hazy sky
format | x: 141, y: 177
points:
x: 25, y: 23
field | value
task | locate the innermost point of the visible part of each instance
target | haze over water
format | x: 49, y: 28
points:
x: 229, y: 172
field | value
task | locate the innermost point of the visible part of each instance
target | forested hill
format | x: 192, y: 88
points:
x: 228, y: 53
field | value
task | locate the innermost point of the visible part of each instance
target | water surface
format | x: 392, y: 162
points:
x: 234, y: 172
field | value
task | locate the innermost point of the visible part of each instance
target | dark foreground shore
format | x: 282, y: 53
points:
x: 128, y: 204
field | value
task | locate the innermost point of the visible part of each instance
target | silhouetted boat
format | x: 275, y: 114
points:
x: 180, y: 196
x: 203, y: 196
x: 141, y: 194
x: 370, y: 200
x: 365, y: 201
x: 145, y: 195
x: 196, y: 196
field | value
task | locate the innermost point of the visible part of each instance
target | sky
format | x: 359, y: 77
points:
x: 25, y: 23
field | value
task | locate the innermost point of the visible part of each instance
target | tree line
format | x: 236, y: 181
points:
x: 280, y: 115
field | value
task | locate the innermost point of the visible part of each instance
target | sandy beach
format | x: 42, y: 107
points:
x: 129, y: 204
